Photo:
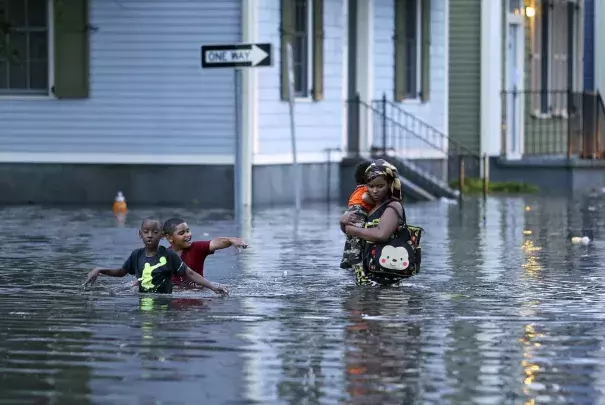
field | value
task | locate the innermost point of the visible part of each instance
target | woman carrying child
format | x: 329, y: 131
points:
x: 390, y: 246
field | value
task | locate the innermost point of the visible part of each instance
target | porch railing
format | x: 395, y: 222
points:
x: 553, y: 123
x: 409, y: 137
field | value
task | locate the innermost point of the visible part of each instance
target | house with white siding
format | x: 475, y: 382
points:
x: 512, y: 66
x: 98, y: 96
x: 524, y: 90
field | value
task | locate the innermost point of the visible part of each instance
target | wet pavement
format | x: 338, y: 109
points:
x: 505, y: 311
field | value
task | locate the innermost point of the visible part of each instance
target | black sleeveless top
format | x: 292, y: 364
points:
x: 372, y: 222
x: 374, y: 218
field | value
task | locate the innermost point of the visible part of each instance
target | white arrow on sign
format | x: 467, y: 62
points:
x: 255, y: 55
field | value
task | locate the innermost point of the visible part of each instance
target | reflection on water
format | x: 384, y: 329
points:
x: 505, y: 310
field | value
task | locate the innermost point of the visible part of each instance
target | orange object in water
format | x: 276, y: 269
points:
x: 119, y: 205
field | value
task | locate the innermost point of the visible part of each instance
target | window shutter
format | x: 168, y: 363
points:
x: 287, y: 34
x: 425, y: 50
x: 318, y: 50
x: 560, y: 57
x: 71, y: 48
x: 399, y: 43
x: 559, y: 42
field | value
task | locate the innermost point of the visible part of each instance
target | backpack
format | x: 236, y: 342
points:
x: 399, y: 256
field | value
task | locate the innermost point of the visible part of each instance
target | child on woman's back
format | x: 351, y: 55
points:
x: 359, y: 203
x: 194, y: 254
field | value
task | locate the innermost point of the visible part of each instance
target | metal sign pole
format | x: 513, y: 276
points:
x: 238, y: 57
x: 295, y: 167
x: 238, y: 168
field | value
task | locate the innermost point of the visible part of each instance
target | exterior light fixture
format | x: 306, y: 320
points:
x: 530, y: 11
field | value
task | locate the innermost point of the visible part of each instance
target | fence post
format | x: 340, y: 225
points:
x: 598, y: 127
x: 504, y: 127
x: 595, y: 151
x: 357, y: 122
x: 569, y: 142
x: 570, y: 105
x: 329, y: 175
x: 384, y: 124
x: 485, y: 175
x: 461, y: 179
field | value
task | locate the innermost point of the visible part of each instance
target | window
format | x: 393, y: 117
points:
x: 301, y: 48
x: 412, y: 49
x: 554, y: 33
x: 514, y: 7
x: 23, y: 46
x: 302, y: 28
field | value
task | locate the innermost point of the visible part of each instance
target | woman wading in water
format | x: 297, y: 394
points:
x: 390, y: 247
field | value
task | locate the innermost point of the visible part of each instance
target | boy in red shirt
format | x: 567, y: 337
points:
x: 193, y: 254
x: 360, y: 203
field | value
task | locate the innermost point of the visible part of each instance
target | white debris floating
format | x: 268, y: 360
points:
x: 584, y: 240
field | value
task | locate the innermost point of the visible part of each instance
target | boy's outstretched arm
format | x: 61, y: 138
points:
x: 200, y: 280
x: 92, y: 276
x: 225, y: 242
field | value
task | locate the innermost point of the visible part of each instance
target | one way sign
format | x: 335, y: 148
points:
x: 236, y: 55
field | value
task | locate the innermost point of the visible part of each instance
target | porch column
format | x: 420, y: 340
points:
x: 360, y: 75
x: 352, y: 109
x: 365, y: 70
x: 491, y: 76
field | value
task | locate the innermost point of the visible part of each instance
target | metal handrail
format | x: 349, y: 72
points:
x: 453, y: 149
x: 408, y: 116
x: 399, y: 125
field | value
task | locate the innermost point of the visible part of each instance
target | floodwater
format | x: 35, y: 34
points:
x: 505, y: 311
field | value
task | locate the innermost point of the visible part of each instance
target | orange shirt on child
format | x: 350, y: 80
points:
x: 356, y: 198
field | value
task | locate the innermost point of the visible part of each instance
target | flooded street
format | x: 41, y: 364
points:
x: 505, y: 311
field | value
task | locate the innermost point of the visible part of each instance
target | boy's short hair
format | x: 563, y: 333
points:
x: 171, y: 224
x: 151, y: 219
x: 360, y: 172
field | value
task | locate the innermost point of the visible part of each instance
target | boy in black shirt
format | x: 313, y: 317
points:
x: 154, y: 265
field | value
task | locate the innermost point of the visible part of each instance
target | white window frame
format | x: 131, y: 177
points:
x: 308, y: 96
x: 48, y: 95
x: 415, y: 99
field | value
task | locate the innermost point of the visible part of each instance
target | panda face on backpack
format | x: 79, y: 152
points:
x: 399, y: 256
x: 394, y: 258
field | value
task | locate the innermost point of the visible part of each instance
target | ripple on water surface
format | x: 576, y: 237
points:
x: 505, y: 310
